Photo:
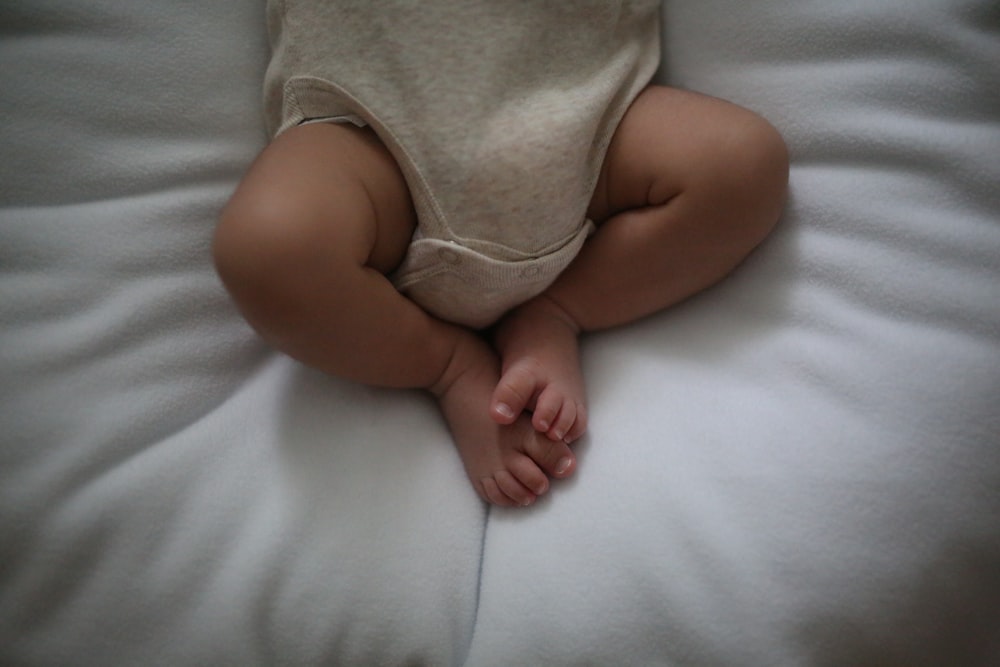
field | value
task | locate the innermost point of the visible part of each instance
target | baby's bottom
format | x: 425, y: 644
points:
x: 689, y: 186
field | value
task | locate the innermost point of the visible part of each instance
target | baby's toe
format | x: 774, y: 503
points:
x: 559, y: 417
x: 513, y: 394
x: 564, y: 421
x: 527, y: 472
x: 490, y: 490
x: 553, y: 456
x: 579, y: 427
x: 547, y: 410
x: 517, y: 492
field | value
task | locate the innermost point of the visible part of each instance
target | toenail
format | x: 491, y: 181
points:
x: 505, y: 410
x: 563, y: 465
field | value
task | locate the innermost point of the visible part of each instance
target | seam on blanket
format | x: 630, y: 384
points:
x: 479, y: 589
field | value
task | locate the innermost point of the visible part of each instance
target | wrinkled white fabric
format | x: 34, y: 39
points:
x: 799, y: 467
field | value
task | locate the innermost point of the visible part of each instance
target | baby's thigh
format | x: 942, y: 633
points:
x: 672, y: 141
x: 325, y: 188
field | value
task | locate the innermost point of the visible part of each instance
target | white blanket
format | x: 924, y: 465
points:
x: 799, y: 467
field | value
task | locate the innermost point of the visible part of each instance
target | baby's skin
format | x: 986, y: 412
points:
x: 508, y: 455
x: 538, y: 344
x: 689, y: 186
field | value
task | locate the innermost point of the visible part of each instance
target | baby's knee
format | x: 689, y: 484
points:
x: 742, y: 176
x: 757, y: 162
x: 260, y: 244
x: 244, y: 243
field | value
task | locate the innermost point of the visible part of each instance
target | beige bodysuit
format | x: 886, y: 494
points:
x: 499, y: 113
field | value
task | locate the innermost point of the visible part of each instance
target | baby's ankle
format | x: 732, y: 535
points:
x: 531, y: 321
x: 470, y: 355
x: 544, y: 305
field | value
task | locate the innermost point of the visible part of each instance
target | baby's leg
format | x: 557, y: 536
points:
x: 303, y: 250
x: 304, y: 246
x: 689, y: 186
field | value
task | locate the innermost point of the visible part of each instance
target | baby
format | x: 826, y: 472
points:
x: 457, y: 189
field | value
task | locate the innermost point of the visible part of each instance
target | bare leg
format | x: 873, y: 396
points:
x: 304, y: 246
x: 690, y: 185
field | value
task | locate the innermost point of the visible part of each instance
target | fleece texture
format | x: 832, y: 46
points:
x: 799, y: 467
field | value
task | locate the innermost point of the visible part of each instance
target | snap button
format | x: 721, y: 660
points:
x: 450, y: 256
x: 531, y: 271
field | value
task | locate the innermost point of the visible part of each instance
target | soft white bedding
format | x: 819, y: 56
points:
x: 801, y: 466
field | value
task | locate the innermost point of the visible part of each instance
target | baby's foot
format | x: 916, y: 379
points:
x: 508, y: 464
x: 541, y: 371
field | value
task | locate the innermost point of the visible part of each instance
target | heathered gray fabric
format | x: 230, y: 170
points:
x: 498, y: 111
